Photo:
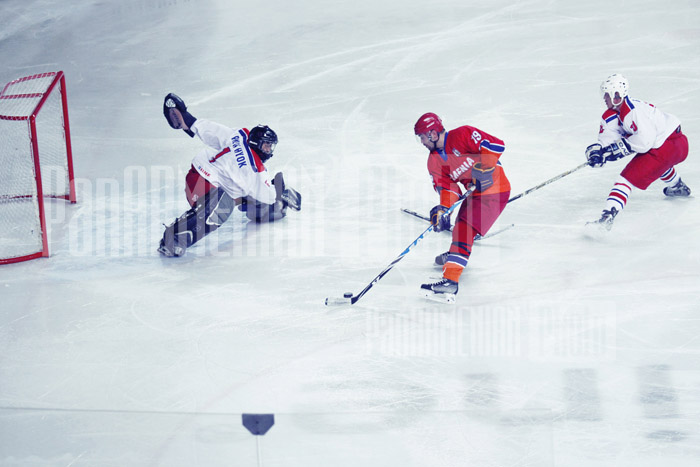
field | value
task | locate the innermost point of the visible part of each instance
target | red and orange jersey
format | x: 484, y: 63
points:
x: 464, y: 147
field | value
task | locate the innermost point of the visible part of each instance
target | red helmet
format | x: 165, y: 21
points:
x: 427, y: 122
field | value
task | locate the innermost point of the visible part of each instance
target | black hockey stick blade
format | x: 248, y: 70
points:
x: 347, y: 299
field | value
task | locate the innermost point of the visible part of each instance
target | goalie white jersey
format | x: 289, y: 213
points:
x: 643, y: 126
x: 230, y: 164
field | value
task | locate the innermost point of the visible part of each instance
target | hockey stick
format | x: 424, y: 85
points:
x: 478, y: 236
x: 526, y: 192
x: 553, y: 179
x: 350, y: 299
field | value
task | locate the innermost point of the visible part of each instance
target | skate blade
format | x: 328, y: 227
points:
x: 595, y: 230
x: 449, y: 298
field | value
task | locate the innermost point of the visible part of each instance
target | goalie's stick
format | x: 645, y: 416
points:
x: 350, y: 299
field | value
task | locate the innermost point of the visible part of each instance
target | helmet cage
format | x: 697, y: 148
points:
x: 260, y: 136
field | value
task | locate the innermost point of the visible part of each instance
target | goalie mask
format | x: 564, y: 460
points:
x: 616, y: 88
x: 263, y: 139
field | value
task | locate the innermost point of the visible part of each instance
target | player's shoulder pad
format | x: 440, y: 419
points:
x: 626, y: 107
x: 610, y: 115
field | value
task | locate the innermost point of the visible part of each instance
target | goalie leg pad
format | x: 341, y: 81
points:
x: 204, y: 217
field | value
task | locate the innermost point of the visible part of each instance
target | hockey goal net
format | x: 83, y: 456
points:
x: 35, y: 162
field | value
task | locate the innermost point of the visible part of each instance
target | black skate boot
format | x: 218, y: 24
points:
x: 679, y: 189
x: 444, y: 290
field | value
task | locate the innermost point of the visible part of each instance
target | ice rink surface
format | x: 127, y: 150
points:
x: 561, y: 350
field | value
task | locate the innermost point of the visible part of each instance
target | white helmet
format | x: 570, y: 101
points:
x: 614, y: 84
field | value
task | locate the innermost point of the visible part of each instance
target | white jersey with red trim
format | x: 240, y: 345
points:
x: 230, y: 164
x: 643, y: 126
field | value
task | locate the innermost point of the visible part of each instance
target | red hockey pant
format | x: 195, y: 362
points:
x: 476, y: 215
x: 644, y: 168
x: 196, y: 186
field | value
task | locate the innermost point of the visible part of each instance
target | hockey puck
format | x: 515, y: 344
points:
x: 347, y: 295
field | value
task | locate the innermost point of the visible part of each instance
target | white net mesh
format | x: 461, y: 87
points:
x: 20, y: 226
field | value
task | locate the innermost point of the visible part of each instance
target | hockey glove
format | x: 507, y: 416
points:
x: 291, y: 198
x: 595, y: 156
x: 617, y: 150
x: 288, y: 196
x: 439, y: 221
x: 482, y: 177
x: 176, y: 114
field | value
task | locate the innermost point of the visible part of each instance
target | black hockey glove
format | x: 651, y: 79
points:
x: 483, y: 178
x: 439, y: 221
x: 595, y: 156
x: 176, y: 114
x: 617, y: 150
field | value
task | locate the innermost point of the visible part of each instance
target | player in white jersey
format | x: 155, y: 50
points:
x: 230, y: 171
x: 632, y: 126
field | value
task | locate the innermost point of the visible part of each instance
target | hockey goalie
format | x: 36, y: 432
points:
x: 229, y: 172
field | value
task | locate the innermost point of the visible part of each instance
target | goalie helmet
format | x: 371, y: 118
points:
x: 260, y: 136
x: 427, y: 122
x: 615, y: 84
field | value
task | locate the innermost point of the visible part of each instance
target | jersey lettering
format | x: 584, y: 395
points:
x: 203, y: 171
x: 634, y: 127
x: 462, y: 168
x: 238, y: 151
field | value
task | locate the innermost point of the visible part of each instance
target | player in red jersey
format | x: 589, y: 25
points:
x: 463, y: 156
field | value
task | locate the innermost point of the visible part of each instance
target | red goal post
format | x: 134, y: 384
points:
x: 36, y: 162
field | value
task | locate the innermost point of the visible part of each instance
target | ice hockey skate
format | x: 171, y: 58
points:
x: 677, y: 190
x: 169, y: 247
x: 605, y: 223
x: 443, y: 291
x: 607, y: 218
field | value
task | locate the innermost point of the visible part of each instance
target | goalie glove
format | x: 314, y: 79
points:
x: 595, y: 156
x: 617, y: 150
x: 175, y: 112
x: 439, y: 221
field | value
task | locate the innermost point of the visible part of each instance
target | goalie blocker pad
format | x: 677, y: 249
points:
x: 288, y: 196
